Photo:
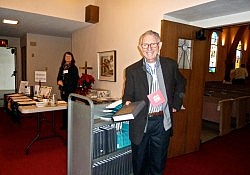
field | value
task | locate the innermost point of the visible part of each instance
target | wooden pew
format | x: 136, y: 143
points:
x: 240, y: 111
x: 225, y: 116
x: 219, y: 111
x: 210, y: 112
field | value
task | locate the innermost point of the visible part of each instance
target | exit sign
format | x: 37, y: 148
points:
x: 3, y: 42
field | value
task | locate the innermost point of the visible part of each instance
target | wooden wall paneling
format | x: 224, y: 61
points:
x: 246, y: 45
x: 169, y: 49
x: 187, y: 123
x: 196, y: 92
x: 178, y: 140
x: 168, y: 36
x: 177, y: 144
x: 221, y: 66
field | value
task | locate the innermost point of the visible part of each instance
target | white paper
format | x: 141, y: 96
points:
x: 40, y: 76
x: 22, y: 87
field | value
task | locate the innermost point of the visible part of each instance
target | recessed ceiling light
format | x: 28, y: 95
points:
x: 8, y: 21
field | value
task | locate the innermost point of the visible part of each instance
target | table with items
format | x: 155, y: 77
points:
x: 19, y: 103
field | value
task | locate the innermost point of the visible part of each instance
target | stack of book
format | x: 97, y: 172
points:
x: 109, y: 110
x: 99, y: 146
x: 117, y: 164
x: 122, y: 136
x: 113, y: 107
x: 104, y: 139
x: 123, y: 112
x: 129, y: 112
x: 110, y: 138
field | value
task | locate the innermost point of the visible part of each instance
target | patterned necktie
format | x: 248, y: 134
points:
x: 152, y: 70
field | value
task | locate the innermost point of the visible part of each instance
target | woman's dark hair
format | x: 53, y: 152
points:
x: 72, y: 56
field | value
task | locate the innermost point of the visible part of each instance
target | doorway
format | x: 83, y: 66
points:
x: 7, y: 71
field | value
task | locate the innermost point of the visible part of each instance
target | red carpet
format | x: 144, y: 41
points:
x: 227, y: 155
x: 45, y: 157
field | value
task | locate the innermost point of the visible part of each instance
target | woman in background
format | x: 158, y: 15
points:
x: 67, y: 81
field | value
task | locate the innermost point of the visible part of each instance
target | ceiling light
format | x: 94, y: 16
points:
x: 8, y: 21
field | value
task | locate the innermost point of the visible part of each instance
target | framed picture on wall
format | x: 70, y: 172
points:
x: 107, y: 65
x: 185, y: 53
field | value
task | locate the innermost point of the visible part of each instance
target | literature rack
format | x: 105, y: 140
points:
x: 96, y: 146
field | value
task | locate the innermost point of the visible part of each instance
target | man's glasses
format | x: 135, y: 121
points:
x: 152, y: 45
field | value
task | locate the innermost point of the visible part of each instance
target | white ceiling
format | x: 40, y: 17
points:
x: 47, y: 25
x: 212, y: 9
x: 37, y: 24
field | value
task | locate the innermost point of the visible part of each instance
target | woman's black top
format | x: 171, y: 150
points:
x: 69, y: 76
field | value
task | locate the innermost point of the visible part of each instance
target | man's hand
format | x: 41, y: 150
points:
x: 127, y: 102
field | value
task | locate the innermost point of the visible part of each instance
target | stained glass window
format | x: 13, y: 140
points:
x: 213, y: 52
x: 238, y: 55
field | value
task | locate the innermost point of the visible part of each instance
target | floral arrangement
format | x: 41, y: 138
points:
x: 85, y: 83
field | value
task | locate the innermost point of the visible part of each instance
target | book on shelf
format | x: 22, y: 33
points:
x: 129, y: 112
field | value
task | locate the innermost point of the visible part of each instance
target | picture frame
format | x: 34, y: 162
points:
x: 185, y: 53
x: 40, y: 76
x: 106, y: 61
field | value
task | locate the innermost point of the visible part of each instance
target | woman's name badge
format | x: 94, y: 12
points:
x: 156, y: 98
x: 65, y: 71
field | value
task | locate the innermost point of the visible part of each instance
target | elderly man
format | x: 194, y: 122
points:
x: 158, y: 82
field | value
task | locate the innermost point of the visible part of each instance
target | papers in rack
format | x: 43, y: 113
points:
x: 129, y: 112
x: 107, y: 117
x: 113, y: 107
x: 105, y: 111
x: 114, y: 104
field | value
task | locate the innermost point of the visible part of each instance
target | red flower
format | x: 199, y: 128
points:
x: 86, y: 81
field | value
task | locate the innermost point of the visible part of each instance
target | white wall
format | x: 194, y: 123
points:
x: 46, y: 55
x: 120, y: 25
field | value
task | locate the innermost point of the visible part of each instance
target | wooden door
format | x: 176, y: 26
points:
x: 187, y: 123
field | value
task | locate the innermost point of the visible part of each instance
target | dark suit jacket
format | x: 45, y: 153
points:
x: 136, y: 88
